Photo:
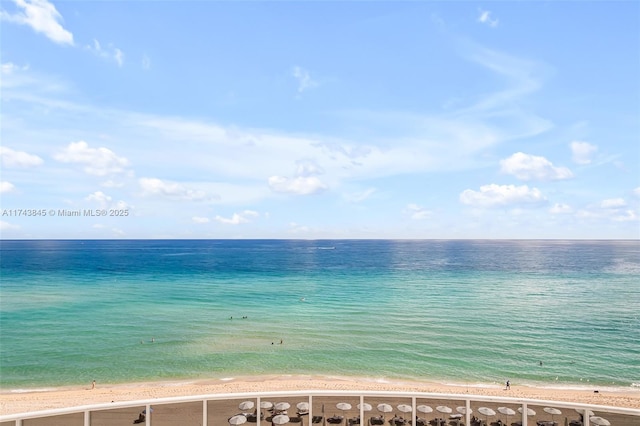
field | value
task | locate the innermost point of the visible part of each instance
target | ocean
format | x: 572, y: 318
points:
x: 544, y: 313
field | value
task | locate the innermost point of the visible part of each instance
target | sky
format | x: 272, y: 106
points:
x: 320, y: 119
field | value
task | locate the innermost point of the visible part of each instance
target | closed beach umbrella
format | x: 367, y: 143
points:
x: 507, y: 412
x: 280, y: 419
x: 237, y: 420
x: 530, y: 412
x: 246, y: 405
x: 599, y: 421
x: 552, y: 411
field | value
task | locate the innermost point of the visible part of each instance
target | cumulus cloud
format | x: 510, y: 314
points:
x: 532, y: 167
x: 238, y: 218
x: 12, y: 158
x: 486, y: 18
x: 303, y: 78
x: 42, y: 17
x: 582, y: 152
x: 110, y: 52
x: 154, y: 186
x: 6, y: 186
x: 494, y: 195
x: 97, y: 161
x: 416, y: 212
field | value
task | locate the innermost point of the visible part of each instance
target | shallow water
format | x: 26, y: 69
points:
x: 476, y: 312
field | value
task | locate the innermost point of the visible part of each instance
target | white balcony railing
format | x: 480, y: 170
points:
x: 217, y: 409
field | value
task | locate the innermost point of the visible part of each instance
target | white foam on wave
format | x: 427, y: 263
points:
x: 227, y: 379
x: 32, y: 390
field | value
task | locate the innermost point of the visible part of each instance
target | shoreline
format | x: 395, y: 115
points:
x: 28, y: 400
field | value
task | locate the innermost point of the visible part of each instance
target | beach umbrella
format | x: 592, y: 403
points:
x: 246, y: 405
x: 463, y: 410
x: 552, y: 411
x: 444, y: 410
x: 487, y: 412
x: 405, y: 408
x: 385, y: 408
x: 507, y: 412
x: 424, y: 409
x: 303, y: 406
x: 266, y: 404
x: 344, y: 406
x: 281, y: 406
x: 584, y: 412
x: 599, y: 421
x: 280, y: 419
x: 238, y: 419
x: 530, y: 412
x: 364, y: 407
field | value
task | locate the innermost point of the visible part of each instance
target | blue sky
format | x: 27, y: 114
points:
x: 320, y: 119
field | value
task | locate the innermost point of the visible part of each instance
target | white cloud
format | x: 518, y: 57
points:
x: 560, y: 208
x: 6, y: 186
x: 12, y: 158
x: 357, y: 197
x: 200, y: 219
x: 416, y: 212
x: 300, y: 185
x: 485, y: 18
x: 304, y: 79
x: 42, y: 17
x: 613, y: 203
x: 636, y: 192
x: 238, y: 218
x: 582, y: 152
x: 532, y: 167
x: 99, y: 197
x: 494, y: 195
x: 6, y: 226
x: 154, y: 186
x: 97, y: 161
x: 110, y: 52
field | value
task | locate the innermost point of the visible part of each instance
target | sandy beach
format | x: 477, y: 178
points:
x: 17, y: 402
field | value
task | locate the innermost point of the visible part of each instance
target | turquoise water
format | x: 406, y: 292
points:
x: 475, y: 312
